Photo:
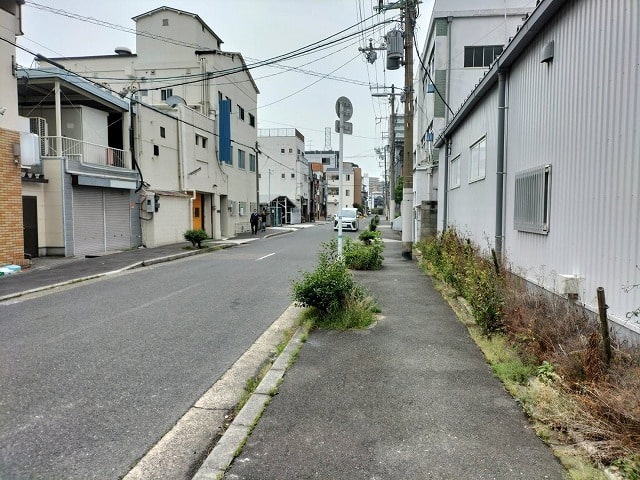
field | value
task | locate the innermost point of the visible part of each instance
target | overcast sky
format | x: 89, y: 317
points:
x: 259, y: 29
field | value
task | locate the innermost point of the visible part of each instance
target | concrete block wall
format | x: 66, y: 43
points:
x: 11, y: 234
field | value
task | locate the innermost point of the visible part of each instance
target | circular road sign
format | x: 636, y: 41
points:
x: 346, y: 106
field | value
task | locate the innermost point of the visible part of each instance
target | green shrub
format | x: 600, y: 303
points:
x: 326, y: 288
x: 360, y: 256
x: 357, y: 312
x: 459, y: 263
x: 368, y: 236
x: 196, y: 237
x: 334, y: 298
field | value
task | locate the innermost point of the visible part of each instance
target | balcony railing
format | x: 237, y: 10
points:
x: 84, y: 152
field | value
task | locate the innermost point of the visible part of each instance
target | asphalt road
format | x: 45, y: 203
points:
x: 95, y: 374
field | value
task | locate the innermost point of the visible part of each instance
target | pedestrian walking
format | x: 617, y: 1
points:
x: 263, y: 218
x: 255, y: 218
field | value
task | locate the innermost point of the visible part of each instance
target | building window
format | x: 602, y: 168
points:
x: 165, y: 93
x: 282, y: 175
x: 252, y: 162
x: 282, y: 150
x: 240, y: 112
x: 200, y: 140
x: 291, y: 150
x: 163, y: 132
x: 347, y: 193
x: 293, y: 175
x: 156, y: 150
x: 478, y: 161
x: 326, y: 160
x: 454, y: 173
x: 241, y: 159
x: 532, y: 200
x: 165, y: 22
x: 252, y: 120
x: 481, y: 56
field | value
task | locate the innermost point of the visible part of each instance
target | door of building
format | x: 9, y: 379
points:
x: 30, y: 225
x: 197, y: 212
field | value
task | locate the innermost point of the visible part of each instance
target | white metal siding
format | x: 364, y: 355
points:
x: 581, y: 114
x: 472, y: 207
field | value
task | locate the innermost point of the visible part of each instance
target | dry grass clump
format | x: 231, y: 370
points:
x: 547, y: 328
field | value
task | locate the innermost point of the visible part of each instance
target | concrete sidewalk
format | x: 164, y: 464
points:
x: 410, y: 398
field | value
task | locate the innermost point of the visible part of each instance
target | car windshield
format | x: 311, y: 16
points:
x: 348, y: 213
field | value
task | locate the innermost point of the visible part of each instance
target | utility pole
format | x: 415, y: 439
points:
x: 394, y: 52
x: 392, y: 156
x: 407, y: 165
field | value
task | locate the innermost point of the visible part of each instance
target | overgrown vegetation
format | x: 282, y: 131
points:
x: 196, y: 237
x: 334, y: 299
x: 549, y: 355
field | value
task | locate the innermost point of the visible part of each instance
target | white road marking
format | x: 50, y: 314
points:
x: 266, y: 256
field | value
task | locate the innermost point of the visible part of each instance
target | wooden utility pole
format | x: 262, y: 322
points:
x: 407, y: 165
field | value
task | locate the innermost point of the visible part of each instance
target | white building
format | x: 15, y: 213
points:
x: 350, y: 187
x: 464, y: 38
x: 328, y: 158
x: 284, y: 173
x: 541, y: 161
x: 180, y: 69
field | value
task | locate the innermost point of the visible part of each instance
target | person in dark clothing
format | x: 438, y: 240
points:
x: 254, y: 222
x: 263, y: 218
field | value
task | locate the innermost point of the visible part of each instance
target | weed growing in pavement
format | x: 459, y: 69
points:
x: 331, y: 294
x: 556, y: 368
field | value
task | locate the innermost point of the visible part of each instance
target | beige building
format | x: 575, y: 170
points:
x: 193, y: 108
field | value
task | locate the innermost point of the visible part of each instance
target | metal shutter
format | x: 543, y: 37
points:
x: 117, y: 219
x: 88, y: 221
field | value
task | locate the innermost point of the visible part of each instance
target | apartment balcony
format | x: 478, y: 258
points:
x: 84, y: 153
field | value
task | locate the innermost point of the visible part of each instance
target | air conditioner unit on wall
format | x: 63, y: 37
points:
x: 38, y: 125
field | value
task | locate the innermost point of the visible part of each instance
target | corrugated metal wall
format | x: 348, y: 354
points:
x: 471, y: 208
x: 581, y: 113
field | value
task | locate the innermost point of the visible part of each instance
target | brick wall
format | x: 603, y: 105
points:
x: 11, y: 234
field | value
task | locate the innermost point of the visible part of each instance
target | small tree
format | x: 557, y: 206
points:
x: 397, y: 193
x: 196, y: 237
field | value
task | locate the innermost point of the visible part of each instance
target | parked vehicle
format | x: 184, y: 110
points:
x: 349, y: 219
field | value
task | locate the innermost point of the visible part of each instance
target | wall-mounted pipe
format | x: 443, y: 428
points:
x: 500, y: 164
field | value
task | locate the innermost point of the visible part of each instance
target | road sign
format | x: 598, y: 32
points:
x: 347, y: 108
x: 348, y: 128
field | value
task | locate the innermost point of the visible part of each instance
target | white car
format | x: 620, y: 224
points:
x: 349, y: 219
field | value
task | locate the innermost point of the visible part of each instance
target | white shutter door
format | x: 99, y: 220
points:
x: 88, y: 221
x: 117, y: 219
